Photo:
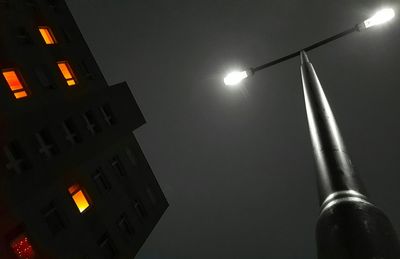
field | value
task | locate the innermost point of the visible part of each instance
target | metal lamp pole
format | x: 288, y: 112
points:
x: 349, y: 225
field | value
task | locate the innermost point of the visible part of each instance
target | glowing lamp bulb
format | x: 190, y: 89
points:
x: 235, y: 77
x: 380, y: 17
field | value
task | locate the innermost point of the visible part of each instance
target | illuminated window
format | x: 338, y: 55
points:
x: 67, y: 72
x: 47, y: 35
x: 79, y: 198
x: 22, y: 247
x: 14, y: 83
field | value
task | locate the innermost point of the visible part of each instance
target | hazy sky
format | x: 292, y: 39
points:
x: 236, y: 165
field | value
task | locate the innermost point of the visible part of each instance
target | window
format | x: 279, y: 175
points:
x: 44, y: 77
x: 53, y: 219
x: 22, y: 247
x: 47, y: 35
x: 125, y: 226
x: 140, y: 209
x: 71, y: 132
x: 79, y: 197
x: 107, y: 246
x: 47, y: 147
x: 31, y: 3
x: 17, y: 159
x: 14, y: 83
x: 107, y: 114
x: 101, y: 181
x: 151, y: 195
x: 91, y: 122
x: 23, y: 36
x: 52, y: 3
x: 85, y: 68
x: 67, y: 73
x: 131, y: 156
x: 4, y: 3
x: 118, y: 166
x: 67, y: 36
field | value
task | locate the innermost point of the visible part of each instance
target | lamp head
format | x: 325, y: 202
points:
x: 235, y: 77
x: 379, y: 17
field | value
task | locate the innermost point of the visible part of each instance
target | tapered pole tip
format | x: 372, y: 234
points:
x: 303, y: 57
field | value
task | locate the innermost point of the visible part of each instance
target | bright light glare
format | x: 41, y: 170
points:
x: 235, y: 77
x: 380, y: 17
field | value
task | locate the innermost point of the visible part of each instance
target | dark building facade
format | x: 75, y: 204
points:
x: 74, y: 182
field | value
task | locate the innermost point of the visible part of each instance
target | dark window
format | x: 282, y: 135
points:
x: 53, y: 219
x: 101, y: 181
x: 46, y: 146
x: 17, y: 159
x: 44, y: 77
x: 30, y: 3
x: 23, y: 36
x: 4, y: 3
x: 91, y: 122
x: 71, y: 132
x: 140, y: 209
x: 125, y: 226
x: 131, y: 156
x: 52, y: 3
x: 118, y: 166
x: 107, y: 246
x: 85, y: 67
x: 107, y: 114
x: 151, y: 194
x: 67, y: 36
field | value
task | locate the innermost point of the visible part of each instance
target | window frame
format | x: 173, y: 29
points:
x: 22, y: 88
x: 76, y: 189
x: 67, y: 73
x: 48, y: 32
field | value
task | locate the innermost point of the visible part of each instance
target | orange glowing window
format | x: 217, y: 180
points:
x: 79, y: 198
x: 14, y: 83
x: 22, y: 248
x: 47, y: 35
x: 67, y: 72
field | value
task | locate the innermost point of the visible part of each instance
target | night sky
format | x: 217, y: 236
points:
x: 236, y: 165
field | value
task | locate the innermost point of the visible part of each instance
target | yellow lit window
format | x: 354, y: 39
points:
x: 79, y: 197
x: 67, y: 72
x: 14, y: 83
x: 47, y: 35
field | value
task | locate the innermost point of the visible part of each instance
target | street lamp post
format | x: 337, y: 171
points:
x: 349, y: 225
